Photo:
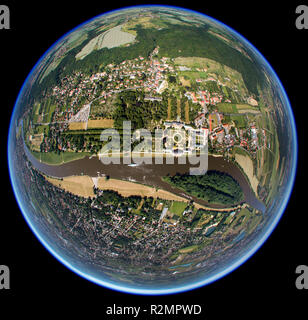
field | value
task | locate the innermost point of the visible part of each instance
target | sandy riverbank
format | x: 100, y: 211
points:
x: 247, y: 165
x: 79, y: 185
x: 83, y: 186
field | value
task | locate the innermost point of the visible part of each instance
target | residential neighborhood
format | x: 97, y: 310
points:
x: 81, y: 102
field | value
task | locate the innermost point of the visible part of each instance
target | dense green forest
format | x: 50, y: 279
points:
x: 194, y: 41
x: 132, y: 107
x: 213, y: 187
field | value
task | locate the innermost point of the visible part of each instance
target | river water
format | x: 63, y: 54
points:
x: 149, y: 174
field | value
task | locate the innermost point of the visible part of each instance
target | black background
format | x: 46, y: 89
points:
x: 264, y: 286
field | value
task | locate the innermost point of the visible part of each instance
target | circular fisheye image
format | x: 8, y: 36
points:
x: 152, y: 150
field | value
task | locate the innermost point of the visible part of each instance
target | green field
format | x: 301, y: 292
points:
x: 239, y: 120
x: 227, y: 107
x: 193, y: 75
x: 178, y: 207
x: 237, y: 108
x: 47, y: 110
x: 36, y: 108
x: 56, y: 159
x: 35, y: 112
x: 247, y: 108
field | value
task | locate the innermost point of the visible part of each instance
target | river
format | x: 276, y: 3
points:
x: 149, y: 174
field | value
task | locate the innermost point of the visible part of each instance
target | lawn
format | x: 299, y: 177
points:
x: 56, y: 159
x: 178, y: 207
x: 227, y: 107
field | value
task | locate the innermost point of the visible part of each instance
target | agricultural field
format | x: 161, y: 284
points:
x: 94, y: 44
x: 268, y: 159
x: 193, y: 75
x: 206, y: 67
x: 265, y: 165
x: 100, y: 123
x: 146, y: 22
x: 247, y: 108
x: 198, y: 62
x: 42, y: 112
x: 35, y: 112
x: 226, y: 108
x: 114, y: 37
x: 48, y: 111
x: 77, y: 126
x: 272, y: 159
x: 105, y: 27
x: 149, y: 22
x: 237, y: 108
